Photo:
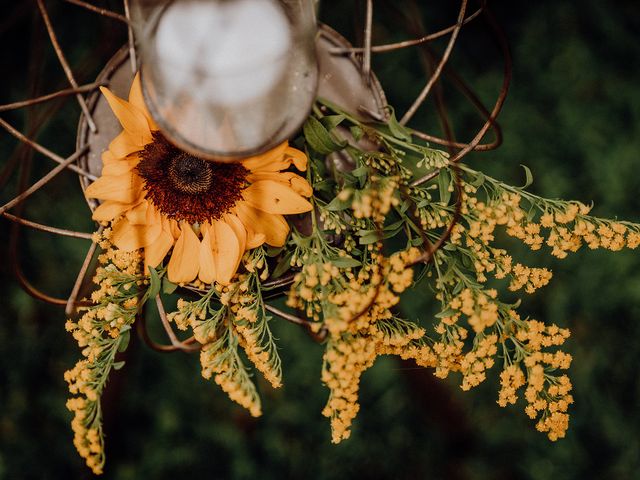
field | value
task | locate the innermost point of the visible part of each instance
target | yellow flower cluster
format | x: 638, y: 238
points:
x: 529, y: 278
x: 101, y: 332
x: 479, y: 306
x: 511, y: 379
x: 376, y: 201
x: 475, y: 363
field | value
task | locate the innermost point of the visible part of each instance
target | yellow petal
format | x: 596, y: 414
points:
x: 240, y: 231
x: 183, y: 265
x: 129, y: 237
x: 207, y: 272
x: 254, y: 239
x: 131, y: 118
x: 299, y: 158
x: 119, y: 188
x: 295, y: 181
x: 226, y: 251
x: 109, y: 210
x: 138, y: 214
x: 275, y: 197
x: 120, y: 167
x: 274, y: 227
x: 155, y: 252
x: 124, y: 144
x: 137, y: 100
x: 271, y: 161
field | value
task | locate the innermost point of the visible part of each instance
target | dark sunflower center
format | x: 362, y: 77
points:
x: 190, y: 174
x: 188, y: 188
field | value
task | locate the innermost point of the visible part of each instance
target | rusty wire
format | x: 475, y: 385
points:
x: 421, y: 39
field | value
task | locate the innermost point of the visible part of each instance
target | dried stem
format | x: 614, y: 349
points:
x: 45, y: 98
x: 436, y: 74
x: 43, y: 181
x: 73, y: 296
x: 366, y: 60
x: 46, y: 152
x: 47, y: 228
x: 131, y: 39
x: 390, y: 47
x: 101, y: 11
x: 65, y: 65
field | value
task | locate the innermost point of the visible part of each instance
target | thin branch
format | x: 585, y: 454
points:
x: 43, y: 181
x: 436, y: 74
x: 45, y: 98
x: 366, y: 60
x: 65, y: 65
x: 73, y: 296
x: 390, y: 47
x: 101, y: 11
x: 45, y: 151
x: 131, y: 39
x: 499, y: 101
x: 47, y: 228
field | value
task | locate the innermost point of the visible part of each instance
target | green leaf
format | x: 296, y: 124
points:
x: 118, y: 365
x: 444, y: 180
x: 445, y: 313
x: 480, y: 178
x: 124, y: 340
x: 283, y: 265
x: 369, y: 238
x: 529, y: 176
x: 319, y: 138
x: 168, y: 286
x: 332, y: 121
x: 360, y: 172
x: 345, y: 262
x: 154, y: 283
x: 356, y: 132
x: 337, y: 205
x: 397, y: 130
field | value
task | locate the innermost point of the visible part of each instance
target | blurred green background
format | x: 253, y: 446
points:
x: 573, y: 116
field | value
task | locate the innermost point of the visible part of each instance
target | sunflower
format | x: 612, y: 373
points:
x: 207, y: 214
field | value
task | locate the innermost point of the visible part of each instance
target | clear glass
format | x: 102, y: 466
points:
x: 227, y: 78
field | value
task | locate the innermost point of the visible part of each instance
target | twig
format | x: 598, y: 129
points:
x: 390, y: 47
x: 43, y: 181
x: 73, y: 296
x: 132, y: 48
x: 65, y: 64
x: 101, y: 11
x: 47, y: 228
x: 436, y: 74
x: 68, y: 91
x: 366, y: 60
x: 45, y: 151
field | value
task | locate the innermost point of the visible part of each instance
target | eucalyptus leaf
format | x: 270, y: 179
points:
x: 154, y: 283
x: 528, y: 176
x: 168, y: 286
x: 124, y: 340
x: 397, y: 130
x: 332, y: 121
x: 319, y: 138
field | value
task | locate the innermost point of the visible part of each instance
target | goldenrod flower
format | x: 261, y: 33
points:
x: 161, y: 198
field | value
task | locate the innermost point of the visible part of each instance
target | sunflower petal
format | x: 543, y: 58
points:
x: 254, y: 239
x: 130, y: 237
x: 120, y: 167
x: 275, y: 197
x: 130, y: 117
x: 226, y: 252
x: 274, y: 227
x: 207, y: 272
x: 155, y: 252
x: 138, y: 214
x: 183, y: 265
x: 271, y: 161
x: 109, y: 210
x: 299, y: 158
x: 295, y: 181
x: 119, y: 188
x: 137, y: 100
x: 240, y: 231
x: 124, y: 144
